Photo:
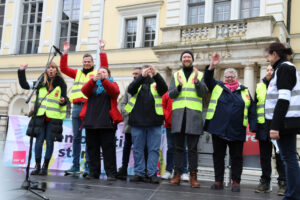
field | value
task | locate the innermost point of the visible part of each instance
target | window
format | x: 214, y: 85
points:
x: 69, y: 23
x: 196, y: 11
x: 249, y: 8
x: 149, y: 31
x: 130, y: 36
x: 221, y: 10
x: 31, y: 26
x: 139, y: 25
x: 2, y: 8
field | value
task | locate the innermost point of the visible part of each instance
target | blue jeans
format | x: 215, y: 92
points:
x: 150, y: 136
x: 44, y: 135
x: 77, y: 134
x: 288, y: 153
x: 171, y: 151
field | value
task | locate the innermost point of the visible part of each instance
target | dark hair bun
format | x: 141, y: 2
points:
x: 288, y: 51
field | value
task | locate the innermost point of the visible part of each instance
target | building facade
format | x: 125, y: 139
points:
x: 139, y: 32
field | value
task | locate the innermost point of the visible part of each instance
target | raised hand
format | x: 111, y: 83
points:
x: 153, y: 70
x: 196, y: 75
x: 145, y: 72
x: 214, y: 61
x: 179, y: 78
x: 23, y: 67
x: 66, y: 47
x: 101, y: 45
x: 98, y: 76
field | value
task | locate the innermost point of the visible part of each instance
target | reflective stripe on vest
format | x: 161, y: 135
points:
x: 187, y: 97
x: 216, y: 93
x: 273, y: 95
x: 261, y: 92
x: 79, y: 81
x: 50, y: 105
x: 157, y: 100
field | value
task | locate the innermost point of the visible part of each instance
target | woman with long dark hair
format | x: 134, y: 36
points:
x: 52, y: 99
x: 282, y: 112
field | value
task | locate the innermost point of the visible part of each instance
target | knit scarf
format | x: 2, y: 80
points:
x: 232, y: 86
x: 100, y: 88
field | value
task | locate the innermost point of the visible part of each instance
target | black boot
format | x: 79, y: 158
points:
x: 37, y: 169
x: 44, y: 171
x: 122, y: 173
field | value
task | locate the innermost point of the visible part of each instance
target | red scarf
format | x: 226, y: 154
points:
x: 232, y: 86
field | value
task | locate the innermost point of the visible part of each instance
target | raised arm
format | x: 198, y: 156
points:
x: 209, y: 73
x: 22, y: 77
x: 64, y: 63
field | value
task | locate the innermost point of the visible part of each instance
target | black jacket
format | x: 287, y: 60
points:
x: 286, y: 79
x: 143, y: 113
x: 57, y: 81
x: 35, y: 127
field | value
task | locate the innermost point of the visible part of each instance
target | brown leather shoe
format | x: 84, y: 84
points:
x: 176, y: 179
x: 193, y: 179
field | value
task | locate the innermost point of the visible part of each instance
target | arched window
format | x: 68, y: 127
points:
x: 18, y: 106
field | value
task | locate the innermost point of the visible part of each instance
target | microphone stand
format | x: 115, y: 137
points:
x: 28, y: 184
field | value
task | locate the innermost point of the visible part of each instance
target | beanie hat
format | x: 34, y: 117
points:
x: 187, y: 51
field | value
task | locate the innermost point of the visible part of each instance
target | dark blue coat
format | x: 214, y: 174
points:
x: 227, y: 122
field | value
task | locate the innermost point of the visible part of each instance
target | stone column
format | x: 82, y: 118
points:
x: 249, y: 78
x: 263, y: 72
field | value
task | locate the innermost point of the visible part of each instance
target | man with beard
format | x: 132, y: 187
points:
x: 187, y: 90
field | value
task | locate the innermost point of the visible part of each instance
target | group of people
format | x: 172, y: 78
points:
x: 273, y: 114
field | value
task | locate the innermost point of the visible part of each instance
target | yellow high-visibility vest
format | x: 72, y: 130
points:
x: 157, y: 100
x: 79, y: 81
x: 261, y: 93
x: 216, y: 93
x: 50, y: 104
x: 187, y: 97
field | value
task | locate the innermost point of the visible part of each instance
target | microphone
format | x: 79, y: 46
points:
x: 58, y: 51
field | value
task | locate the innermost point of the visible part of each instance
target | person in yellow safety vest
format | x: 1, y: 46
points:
x: 52, y: 99
x: 265, y: 144
x: 80, y: 76
x: 229, y: 110
x: 145, y: 118
x: 187, y: 89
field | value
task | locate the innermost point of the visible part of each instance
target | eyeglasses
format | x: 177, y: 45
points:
x: 229, y: 77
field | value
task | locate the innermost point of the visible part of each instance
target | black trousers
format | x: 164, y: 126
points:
x: 236, y: 158
x: 192, y: 142
x: 265, y: 148
x: 104, y: 138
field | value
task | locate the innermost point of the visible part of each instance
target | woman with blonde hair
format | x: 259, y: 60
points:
x: 52, y: 100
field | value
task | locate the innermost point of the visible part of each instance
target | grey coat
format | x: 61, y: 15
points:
x: 194, y: 119
x: 125, y: 115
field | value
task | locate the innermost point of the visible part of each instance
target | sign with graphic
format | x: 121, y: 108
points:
x: 17, y: 146
x: 251, y: 151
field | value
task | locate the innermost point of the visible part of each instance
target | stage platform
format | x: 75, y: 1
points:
x: 60, y: 187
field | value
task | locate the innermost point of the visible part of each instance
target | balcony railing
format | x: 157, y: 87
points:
x: 251, y: 28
